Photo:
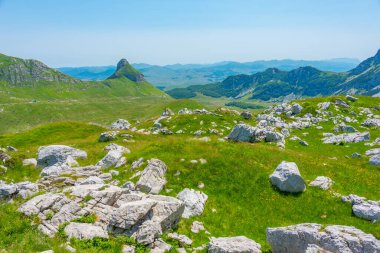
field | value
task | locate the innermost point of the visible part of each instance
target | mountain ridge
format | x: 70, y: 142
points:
x: 180, y: 75
x: 306, y: 81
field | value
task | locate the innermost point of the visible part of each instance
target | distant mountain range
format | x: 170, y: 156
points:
x: 179, y: 75
x: 275, y: 84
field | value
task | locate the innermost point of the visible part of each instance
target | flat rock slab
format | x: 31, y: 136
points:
x: 84, y: 231
x: 238, y: 244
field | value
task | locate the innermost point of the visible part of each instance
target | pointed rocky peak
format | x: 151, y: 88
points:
x: 123, y: 62
x: 126, y: 70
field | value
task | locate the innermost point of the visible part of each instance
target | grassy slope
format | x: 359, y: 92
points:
x: 101, y: 102
x: 235, y: 177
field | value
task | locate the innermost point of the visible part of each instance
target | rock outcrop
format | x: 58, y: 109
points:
x: 334, y: 238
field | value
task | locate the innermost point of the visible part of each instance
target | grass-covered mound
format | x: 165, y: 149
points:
x: 241, y: 200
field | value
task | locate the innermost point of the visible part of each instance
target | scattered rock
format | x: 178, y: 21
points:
x: 375, y: 160
x: 197, y: 227
x: 351, y: 98
x: 239, y: 244
x: 182, y: 239
x: 371, y: 123
x: 354, y: 199
x: 287, y: 178
x: 296, y: 109
x: 108, y: 136
x: 136, y: 164
x: 121, y: 124
x: 10, y: 148
x: 246, y: 115
x: 341, y: 103
x: 369, y: 210
x: 152, y: 178
x: 29, y: 162
x: 322, y: 182
x: 194, y: 202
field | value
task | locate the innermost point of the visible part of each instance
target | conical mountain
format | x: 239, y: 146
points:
x: 125, y: 70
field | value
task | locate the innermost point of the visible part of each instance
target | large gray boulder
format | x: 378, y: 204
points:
x: 194, y: 202
x: 371, y: 123
x: 152, y: 178
x: 296, y: 108
x: 347, y: 138
x: 58, y: 154
x: 344, y: 128
x: 372, y: 152
x: 242, y: 133
x: 129, y: 214
x: 121, y: 124
x: 84, y: 231
x: 147, y: 232
x: 238, y: 244
x: 57, y: 159
x: 334, y: 238
x: 375, y: 160
x: 369, y: 210
x: 112, y: 158
x: 287, y: 178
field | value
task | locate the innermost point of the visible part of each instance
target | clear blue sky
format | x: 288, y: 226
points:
x: 100, y: 32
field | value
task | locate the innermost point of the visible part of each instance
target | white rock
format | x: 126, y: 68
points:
x: 322, y: 182
x: 369, y: 210
x: 111, y: 159
x: 194, y: 202
x: 335, y: 238
x: 121, y: 124
x: 30, y: 162
x: 197, y: 227
x: 182, y: 239
x: 347, y: 138
x: 159, y: 246
x: 287, y: 178
x: 239, y: 244
x: 375, y: 160
x: 84, y: 231
x: 152, y: 178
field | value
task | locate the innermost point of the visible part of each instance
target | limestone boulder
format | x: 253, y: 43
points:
x: 287, y: 178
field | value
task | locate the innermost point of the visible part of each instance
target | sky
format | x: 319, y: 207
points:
x: 100, y: 32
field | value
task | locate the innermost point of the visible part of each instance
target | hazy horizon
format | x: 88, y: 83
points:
x: 99, y: 33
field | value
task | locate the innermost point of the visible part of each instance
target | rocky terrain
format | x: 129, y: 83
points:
x: 160, y: 185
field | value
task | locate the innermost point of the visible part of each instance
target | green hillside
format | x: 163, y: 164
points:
x: 241, y: 200
x: 33, y: 94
